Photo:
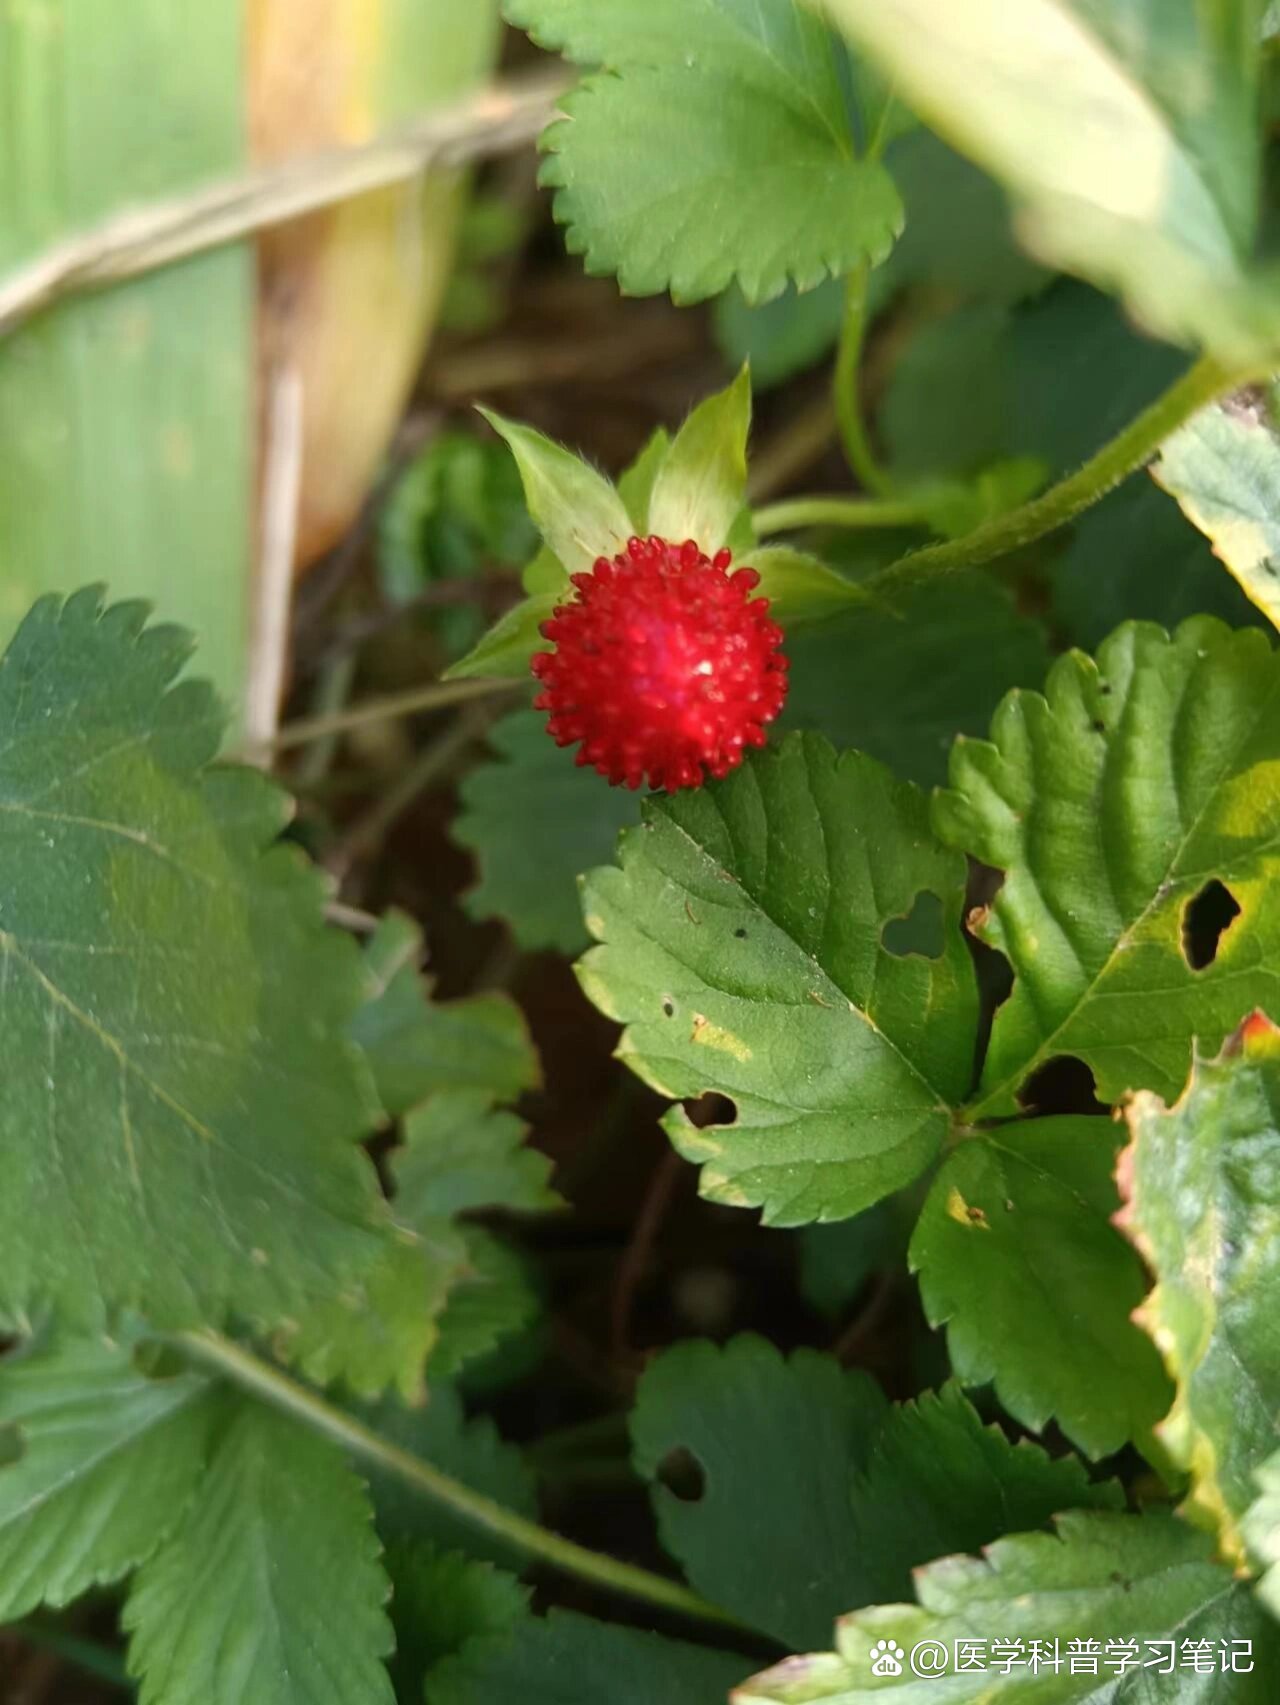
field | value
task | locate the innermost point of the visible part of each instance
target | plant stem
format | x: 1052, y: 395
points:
x: 799, y: 512
x: 1130, y: 450
x: 87, y: 1655
x: 857, y: 446
x: 232, y: 1361
x: 436, y: 696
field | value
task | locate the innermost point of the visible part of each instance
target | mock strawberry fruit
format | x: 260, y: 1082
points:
x: 665, y: 667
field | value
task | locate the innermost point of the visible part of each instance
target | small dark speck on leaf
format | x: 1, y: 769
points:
x: 669, y: 1008
x: 741, y: 934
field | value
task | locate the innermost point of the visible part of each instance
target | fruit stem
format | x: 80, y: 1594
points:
x: 1128, y: 451
x: 853, y: 432
x: 797, y: 513
x: 270, y: 1385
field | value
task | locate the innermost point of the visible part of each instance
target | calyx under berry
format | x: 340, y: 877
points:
x: 665, y: 667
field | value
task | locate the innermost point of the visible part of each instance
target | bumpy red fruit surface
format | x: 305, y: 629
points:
x: 665, y: 667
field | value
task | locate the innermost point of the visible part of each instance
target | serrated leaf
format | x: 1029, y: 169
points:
x: 271, y: 1589
x: 1261, y: 1529
x: 902, y: 685
x: 715, y: 147
x: 847, y: 1493
x: 491, y: 1299
x: 577, y: 510
x: 536, y: 821
x: 416, y: 1046
x: 470, y: 1451
x: 102, y: 1461
x: 1130, y: 141
x: 1101, y: 1577
x: 1019, y: 1260
x: 1224, y: 469
x: 441, y: 1602
x: 1110, y: 804
x: 1202, y: 1182
x: 566, y: 1659
x: 460, y: 1154
x: 744, y: 953
x: 701, y: 485
x: 182, y: 1106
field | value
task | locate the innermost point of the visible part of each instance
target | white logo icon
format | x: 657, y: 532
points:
x: 886, y: 1658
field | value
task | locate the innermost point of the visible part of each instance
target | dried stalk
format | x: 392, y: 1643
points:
x: 497, y: 120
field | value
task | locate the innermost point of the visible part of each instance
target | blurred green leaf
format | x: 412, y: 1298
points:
x: 441, y: 1602
x: 1262, y: 1532
x: 492, y: 1299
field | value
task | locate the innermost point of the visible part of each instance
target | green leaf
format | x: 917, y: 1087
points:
x: 504, y: 652
x: 743, y: 952
x: 99, y: 1464
x: 578, y: 512
x: 701, y: 485
x: 1130, y: 142
x: 1224, y: 469
x: 1110, y: 804
x: 902, y: 685
x: 536, y: 821
x: 782, y: 337
x: 492, y: 1299
x: 835, y: 1261
x: 271, y: 1589
x: 1100, y: 1578
x: 851, y: 1493
x: 183, y: 1106
x: 470, y: 1451
x: 1202, y: 1181
x: 1261, y: 1528
x: 566, y: 1659
x: 1017, y: 1256
x: 716, y: 146
x: 459, y: 1154
x: 416, y: 1046
x: 802, y: 589
x: 441, y: 1602
x: 635, y: 486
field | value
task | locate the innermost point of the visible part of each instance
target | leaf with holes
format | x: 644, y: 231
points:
x: 566, y: 1659
x: 271, y: 1588
x: 848, y: 1493
x: 1224, y: 469
x: 744, y: 950
x: 1134, y: 786
x: 1019, y: 1260
x: 182, y: 1107
x: 1100, y: 1578
x: 1202, y: 1182
x: 104, y: 1460
x: 714, y: 144
x: 1128, y: 134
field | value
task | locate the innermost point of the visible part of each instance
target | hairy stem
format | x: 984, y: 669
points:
x: 1130, y: 450
x: 853, y: 433
x: 232, y: 1361
x: 800, y: 512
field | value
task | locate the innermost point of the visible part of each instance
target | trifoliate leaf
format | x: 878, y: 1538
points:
x: 490, y: 1299
x: 578, y: 512
x: 1261, y: 1528
x: 701, y: 484
x: 1112, y: 804
x: 1017, y: 1256
x: 566, y: 1659
x: 536, y: 821
x: 1202, y: 1180
x: 1124, y: 1596
x: 1224, y: 469
x: 845, y: 1494
x: 441, y: 1601
x: 99, y: 1464
x: 416, y: 1046
x: 776, y: 1443
x: 902, y: 685
x: 715, y: 146
x: 271, y: 1589
x: 182, y: 1106
x: 470, y: 1451
x: 744, y: 952
x: 1130, y: 141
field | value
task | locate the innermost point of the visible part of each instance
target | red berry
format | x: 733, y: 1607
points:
x: 664, y: 666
